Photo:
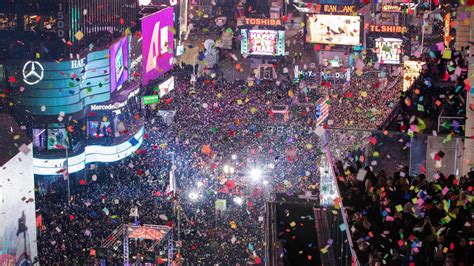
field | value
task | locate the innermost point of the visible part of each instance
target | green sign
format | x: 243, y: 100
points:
x: 150, y: 99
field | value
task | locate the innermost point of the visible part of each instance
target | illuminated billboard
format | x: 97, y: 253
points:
x: 388, y: 50
x: 157, y: 44
x: 166, y: 87
x: 18, y: 221
x: 333, y: 29
x: 118, y: 64
x: 263, y: 42
x: 93, y: 153
x: 52, y: 87
x: 411, y: 71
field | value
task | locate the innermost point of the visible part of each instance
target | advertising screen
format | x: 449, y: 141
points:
x: 411, y: 71
x: 166, y: 87
x: 100, y: 128
x: 51, y: 87
x: 157, y: 44
x: 57, y: 139
x: 118, y: 64
x: 388, y: 50
x: 18, y: 243
x: 331, y: 29
x: 263, y: 42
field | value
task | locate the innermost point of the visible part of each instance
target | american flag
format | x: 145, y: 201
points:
x: 322, y: 110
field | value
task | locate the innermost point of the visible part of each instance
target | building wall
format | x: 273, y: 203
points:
x: 469, y: 142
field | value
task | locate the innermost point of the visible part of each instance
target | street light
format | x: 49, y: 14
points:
x: 193, y: 196
x: 255, y: 174
x: 229, y: 169
x: 238, y: 200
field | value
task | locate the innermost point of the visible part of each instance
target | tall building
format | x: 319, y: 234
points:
x: 72, y: 71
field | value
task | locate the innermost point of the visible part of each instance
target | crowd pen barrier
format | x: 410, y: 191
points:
x: 343, y: 247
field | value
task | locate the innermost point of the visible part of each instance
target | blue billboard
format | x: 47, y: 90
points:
x: 49, y: 88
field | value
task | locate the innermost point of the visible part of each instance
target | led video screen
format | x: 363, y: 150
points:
x: 157, y: 44
x: 100, y: 129
x: 263, y: 42
x: 57, y: 139
x: 388, y: 50
x: 118, y: 64
x: 333, y: 29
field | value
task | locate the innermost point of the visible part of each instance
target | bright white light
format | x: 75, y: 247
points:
x: 270, y: 165
x: 200, y: 183
x: 255, y: 174
x: 193, y: 196
x: 238, y: 200
x: 226, y: 169
x: 144, y: 2
x: 265, y: 182
x: 231, y: 170
x: 234, y: 157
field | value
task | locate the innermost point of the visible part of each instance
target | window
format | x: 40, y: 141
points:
x: 31, y: 22
x: 49, y: 23
x: 7, y: 21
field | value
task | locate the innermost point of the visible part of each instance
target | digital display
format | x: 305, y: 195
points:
x: 263, y: 42
x: 411, y: 71
x: 118, y: 63
x: 93, y: 153
x: 157, y: 44
x: 52, y: 87
x: 57, y: 139
x: 166, y: 87
x: 388, y: 50
x: 99, y: 129
x: 331, y: 29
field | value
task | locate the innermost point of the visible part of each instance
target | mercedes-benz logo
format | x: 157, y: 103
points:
x: 33, y: 72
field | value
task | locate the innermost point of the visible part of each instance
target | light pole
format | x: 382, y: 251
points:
x: 176, y: 207
x: 67, y: 175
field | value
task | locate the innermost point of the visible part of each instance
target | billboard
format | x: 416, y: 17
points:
x: 157, y: 44
x: 49, y: 87
x: 92, y: 153
x: 118, y: 64
x: 388, y: 50
x: 411, y: 71
x: 332, y: 29
x: 166, y: 87
x: 18, y: 245
x: 263, y: 42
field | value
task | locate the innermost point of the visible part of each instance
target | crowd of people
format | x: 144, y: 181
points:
x: 366, y: 101
x: 219, y: 124
x: 407, y: 220
x: 229, y: 153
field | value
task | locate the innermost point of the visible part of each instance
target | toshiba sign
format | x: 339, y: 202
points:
x: 391, y: 29
x: 263, y: 21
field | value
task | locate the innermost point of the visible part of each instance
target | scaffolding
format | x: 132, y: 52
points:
x: 156, y: 233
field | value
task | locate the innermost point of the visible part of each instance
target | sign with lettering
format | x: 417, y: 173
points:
x: 391, y: 8
x: 339, y: 8
x: 99, y: 107
x: 263, y: 21
x: 389, y: 29
x: 150, y: 99
x: 263, y: 42
x: 388, y: 50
